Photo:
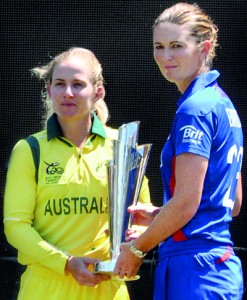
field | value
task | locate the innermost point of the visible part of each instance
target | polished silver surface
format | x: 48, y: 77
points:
x: 125, y: 175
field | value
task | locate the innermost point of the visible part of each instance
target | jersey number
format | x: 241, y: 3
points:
x: 234, y: 156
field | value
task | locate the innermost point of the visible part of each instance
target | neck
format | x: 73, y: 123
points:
x: 76, y: 131
x: 184, y: 85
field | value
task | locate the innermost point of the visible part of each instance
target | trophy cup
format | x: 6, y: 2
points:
x: 125, y: 174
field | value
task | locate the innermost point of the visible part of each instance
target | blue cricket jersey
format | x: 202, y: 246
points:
x: 207, y: 124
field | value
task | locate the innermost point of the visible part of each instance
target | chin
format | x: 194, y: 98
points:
x: 67, y: 115
x: 169, y: 78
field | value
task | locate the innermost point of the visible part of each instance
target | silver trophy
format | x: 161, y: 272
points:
x: 125, y: 175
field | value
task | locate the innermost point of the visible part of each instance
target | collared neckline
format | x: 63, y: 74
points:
x: 198, y: 83
x: 54, y: 128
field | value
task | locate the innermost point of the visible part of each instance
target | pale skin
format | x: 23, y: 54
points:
x: 180, y: 61
x: 73, y: 94
x: 177, y: 54
x: 238, y: 198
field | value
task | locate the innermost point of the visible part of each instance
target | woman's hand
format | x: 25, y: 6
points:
x: 133, y: 233
x: 127, y: 263
x: 143, y: 214
x: 79, y: 268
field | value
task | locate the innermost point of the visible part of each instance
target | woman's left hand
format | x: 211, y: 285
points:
x: 127, y: 263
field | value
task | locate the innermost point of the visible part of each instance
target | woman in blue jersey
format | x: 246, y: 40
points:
x: 201, y: 171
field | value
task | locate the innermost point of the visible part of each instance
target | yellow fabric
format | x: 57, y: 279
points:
x: 39, y: 282
x: 67, y: 212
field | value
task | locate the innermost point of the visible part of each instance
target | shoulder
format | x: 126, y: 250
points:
x: 202, y: 102
x: 24, y: 145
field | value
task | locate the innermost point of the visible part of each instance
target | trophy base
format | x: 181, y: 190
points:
x: 107, y: 267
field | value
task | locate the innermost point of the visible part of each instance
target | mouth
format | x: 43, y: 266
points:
x: 169, y: 67
x: 68, y: 104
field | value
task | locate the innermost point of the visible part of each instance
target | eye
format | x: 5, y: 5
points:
x: 59, y: 83
x: 158, y: 46
x: 174, y: 46
x: 78, y: 84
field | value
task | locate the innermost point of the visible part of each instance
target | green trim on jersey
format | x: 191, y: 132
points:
x: 54, y: 130
x: 34, y: 145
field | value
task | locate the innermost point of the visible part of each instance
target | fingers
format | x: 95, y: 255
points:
x: 90, y: 261
x: 142, y: 210
x: 129, y: 274
x: 79, y: 268
x: 131, y: 234
x: 127, y: 263
x: 136, y: 208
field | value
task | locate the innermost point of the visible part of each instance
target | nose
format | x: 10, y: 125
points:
x: 164, y: 54
x: 68, y: 91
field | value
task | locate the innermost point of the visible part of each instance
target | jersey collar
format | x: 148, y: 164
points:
x: 200, y: 82
x: 54, y: 128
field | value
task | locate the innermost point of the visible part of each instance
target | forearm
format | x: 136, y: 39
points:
x: 181, y: 208
x: 32, y: 248
x: 238, y: 198
x: 165, y: 224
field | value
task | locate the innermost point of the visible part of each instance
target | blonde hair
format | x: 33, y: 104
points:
x: 200, y: 25
x: 45, y: 72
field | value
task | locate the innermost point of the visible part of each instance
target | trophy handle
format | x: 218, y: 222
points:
x: 144, y: 151
x: 128, y: 133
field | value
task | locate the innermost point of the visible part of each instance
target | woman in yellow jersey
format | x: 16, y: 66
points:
x: 58, y: 221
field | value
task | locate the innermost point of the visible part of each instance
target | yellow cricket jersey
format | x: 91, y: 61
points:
x: 66, y: 212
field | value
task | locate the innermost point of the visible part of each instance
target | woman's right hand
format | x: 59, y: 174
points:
x: 143, y: 214
x: 79, y: 268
